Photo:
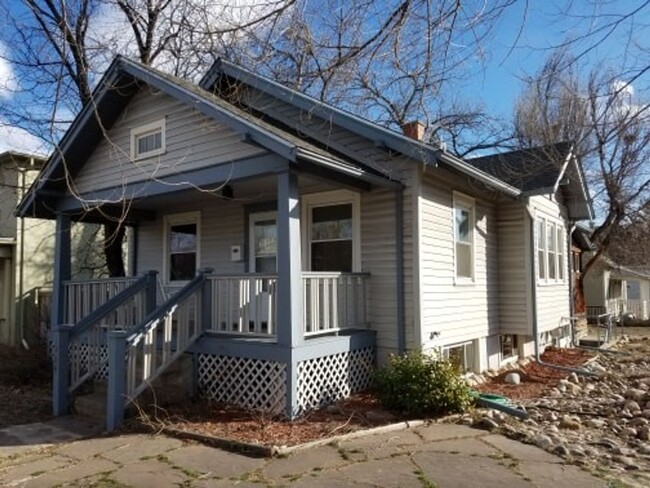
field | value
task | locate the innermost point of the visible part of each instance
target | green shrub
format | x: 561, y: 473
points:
x: 420, y: 385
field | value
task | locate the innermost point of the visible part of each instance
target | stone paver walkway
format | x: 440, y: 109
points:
x: 438, y: 455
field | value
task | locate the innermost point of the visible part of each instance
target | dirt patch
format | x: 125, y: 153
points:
x: 536, y: 379
x: 25, y: 386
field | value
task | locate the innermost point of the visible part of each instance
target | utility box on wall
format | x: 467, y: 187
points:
x: 235, y: 253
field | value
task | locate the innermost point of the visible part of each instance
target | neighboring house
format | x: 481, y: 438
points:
x: 614, y: 289
x: 26, y: 252
x: 330, y: 241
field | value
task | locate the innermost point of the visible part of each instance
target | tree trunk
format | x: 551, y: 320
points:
x: 113, y: 238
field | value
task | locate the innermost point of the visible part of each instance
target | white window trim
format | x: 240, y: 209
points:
x: 325, y: 199
x: 180, y: 219
x: 515, y: 354
x: 560, y: 247
x: 146, y: 129
x: 444, y: 353
x: 252, y: 218
x: 461, y: 200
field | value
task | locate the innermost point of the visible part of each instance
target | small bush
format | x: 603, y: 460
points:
x: 421, y: 385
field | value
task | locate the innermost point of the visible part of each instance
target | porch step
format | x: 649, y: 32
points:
x: 92, y: 404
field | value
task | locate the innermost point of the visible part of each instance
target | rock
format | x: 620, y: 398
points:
x: 632, y: 406
x: 624, y: 451
x: 618, y: 398
x: 595, y: 423
x: 644, y: 449
x: 644, y: 433
x: 635, y: 394
x: 512, y: 378
x: 629, y: 431
x: 646, y: 413
x: 573, y: 378
x: 574, y: 389
x: 570, y: 423
x: 598, y: 369
x: 561, y: 450
x: 379, y: 416
x: 626, y: 462
x: 542, y: 441
x: 555, y: 393
x: 638, y: 422
x: 486, y: 423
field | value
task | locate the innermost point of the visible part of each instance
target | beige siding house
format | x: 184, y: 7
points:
x: 282, y: 237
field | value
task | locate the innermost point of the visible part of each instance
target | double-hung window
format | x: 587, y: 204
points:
x: 182, y: 239
x: 464, y: 237
x: 551, y: 249
x: 148, y: 140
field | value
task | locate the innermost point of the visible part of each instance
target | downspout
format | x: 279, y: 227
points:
x: 399, y: 265
x: 21, y: 269
x: 533, y: 304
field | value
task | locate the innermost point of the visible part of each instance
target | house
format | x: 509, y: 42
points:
x: 26, y: 251
x: 613, y: 289
x: 286, y: 245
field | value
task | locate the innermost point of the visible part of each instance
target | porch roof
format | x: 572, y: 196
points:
x: 118, y: 85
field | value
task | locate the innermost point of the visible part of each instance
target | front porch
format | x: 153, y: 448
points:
x: 282, y: 341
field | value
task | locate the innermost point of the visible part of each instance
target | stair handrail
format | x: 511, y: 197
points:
x: 110, y: 306
x: 169, y: 306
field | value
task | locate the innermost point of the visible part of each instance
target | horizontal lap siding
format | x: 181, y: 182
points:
x: 457, y: 312
x: 514, y: 260
x: 552, y: 298
x: 192, y: 141
x: 222, y: 225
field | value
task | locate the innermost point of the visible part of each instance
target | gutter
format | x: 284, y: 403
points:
x: 533, y: 304
x: 21, y: 268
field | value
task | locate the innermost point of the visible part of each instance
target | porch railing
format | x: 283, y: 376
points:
x: 618, y: 306
x: 84, y: 296
x: 87, y: 341
x: 334, y: 301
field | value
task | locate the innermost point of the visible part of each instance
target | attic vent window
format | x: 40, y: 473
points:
x: 148, y: 140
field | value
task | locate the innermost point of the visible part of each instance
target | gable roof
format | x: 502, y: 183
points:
x: 540, y: 170
x: 125, y: 77
x: 381, y: 136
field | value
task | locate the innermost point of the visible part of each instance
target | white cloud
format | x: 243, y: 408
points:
x: 16, y: 139
x: 8, y: 82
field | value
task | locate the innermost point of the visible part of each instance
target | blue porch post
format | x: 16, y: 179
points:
x: 151, y: 292
x: 115, y: 400
x: 289, y: 302
x: 60, y: 333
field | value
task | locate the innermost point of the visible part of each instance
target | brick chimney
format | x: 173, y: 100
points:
x: 414, y: 130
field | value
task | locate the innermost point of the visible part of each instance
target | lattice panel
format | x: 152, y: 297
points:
x: 82, y: 354
x: 249, y: 383
x: 327, y: 379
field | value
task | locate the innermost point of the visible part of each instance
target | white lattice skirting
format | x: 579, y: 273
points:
x: 326, y: 379
x: 248, y: 383
x: 86, y: 356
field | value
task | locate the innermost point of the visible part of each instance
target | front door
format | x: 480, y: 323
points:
x: 263, y: 246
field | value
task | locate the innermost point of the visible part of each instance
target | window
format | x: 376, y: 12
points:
x: 263, y: 243
x: 332, y: 234
x: 551, y: 253
x: 181, y: 246
x: 460, y: 355
x: 551, y: 249
x: 541, y: 249
x: 464, y: 237
x: 148, y: 140
x: 508, y: 346
x: 560, y: 253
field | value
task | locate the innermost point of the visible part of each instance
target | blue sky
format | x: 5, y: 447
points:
x: 522, y: 40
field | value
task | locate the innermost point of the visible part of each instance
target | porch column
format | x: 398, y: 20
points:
x: 289, y: 304
x: 289, y: 301
x: 60, y: 333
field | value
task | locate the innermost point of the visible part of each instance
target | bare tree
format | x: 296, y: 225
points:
x: 610, y: 129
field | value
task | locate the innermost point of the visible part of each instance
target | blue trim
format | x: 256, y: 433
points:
x: 252, y: 208
x: 115, y: 396
x: 317, y: 347
x: 203, y: 177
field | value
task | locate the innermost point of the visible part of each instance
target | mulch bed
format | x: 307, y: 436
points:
x: 359, y: 412
x: 25, y: 386
x: 537, y: 379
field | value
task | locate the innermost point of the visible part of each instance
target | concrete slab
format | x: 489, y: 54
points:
x: 387, y: 473
x: 303, y: 462
x: 142, y: 449
x: 518, y: 450
x: 324, y: 480
x: 380, y: 445
x: 551, y: 475
x: 469, y: 445
x: 216, y: 463
x: 459, y: 471
x: 149, y: 474
x: 74, y: 475
x: 26, y: 471
x: 60, y: 429
x: 100, y: 445
x: 437, y: 432
x: 215, y: 483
